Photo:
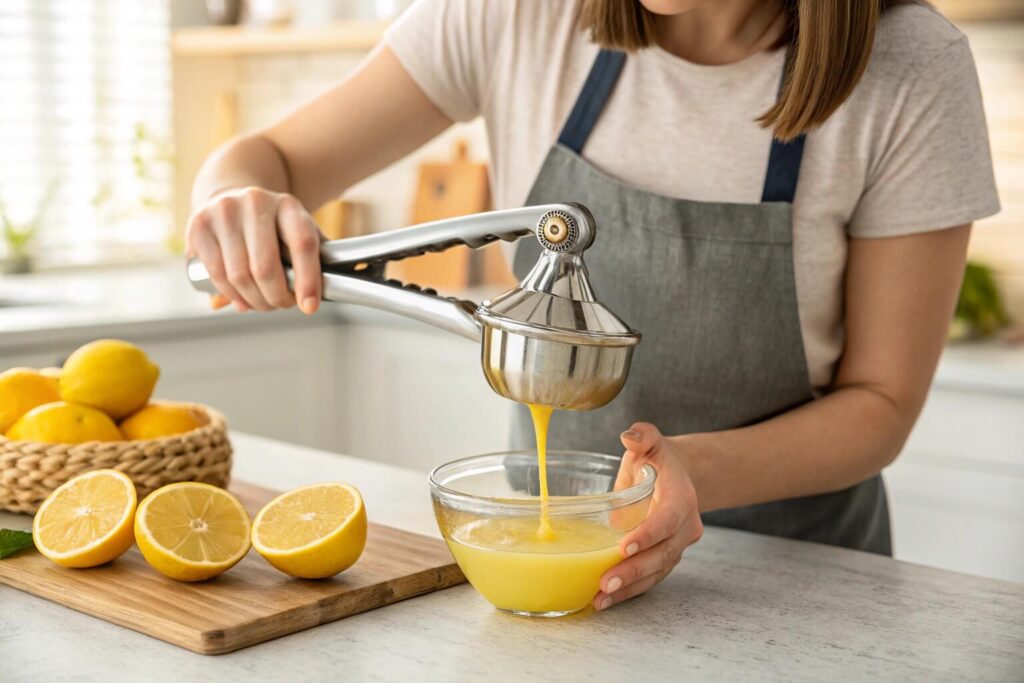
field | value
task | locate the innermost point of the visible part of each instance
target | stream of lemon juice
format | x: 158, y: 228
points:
x: 541, y: 415
x: 536, y: 564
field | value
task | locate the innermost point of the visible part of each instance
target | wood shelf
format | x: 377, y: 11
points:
x: 230, y: 41
x: 980, y: 10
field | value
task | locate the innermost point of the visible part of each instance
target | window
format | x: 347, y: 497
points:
x: 85, y: 125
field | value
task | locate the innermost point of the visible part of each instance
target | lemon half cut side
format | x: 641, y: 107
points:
x: 312, y: 532
x: 192, y: 531
x: 87, y: 521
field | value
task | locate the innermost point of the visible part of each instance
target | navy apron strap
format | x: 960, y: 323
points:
x: 596, y: 90
x: 784, y: 158
x: 783, y: 161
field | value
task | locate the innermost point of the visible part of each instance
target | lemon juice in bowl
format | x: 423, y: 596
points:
x: 519, y: 571
x: 490, y: 513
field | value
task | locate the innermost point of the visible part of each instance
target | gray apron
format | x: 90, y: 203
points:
x: 711, y: 288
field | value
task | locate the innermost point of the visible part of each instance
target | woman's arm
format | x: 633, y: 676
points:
x: 900, y: 295
x: 258, y: 189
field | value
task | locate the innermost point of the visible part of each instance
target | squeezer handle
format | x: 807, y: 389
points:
x: 362, y: 260
x: 453, y: 315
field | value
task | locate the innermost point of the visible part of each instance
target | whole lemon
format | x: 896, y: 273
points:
x: 21, y: 390
x: 52, y: 374
x: 162, y: 418
x: 110, y: 375
x: 64, y: 423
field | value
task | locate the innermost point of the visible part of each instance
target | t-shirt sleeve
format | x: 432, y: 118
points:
x: 449, y: 48
x: 935, y: 172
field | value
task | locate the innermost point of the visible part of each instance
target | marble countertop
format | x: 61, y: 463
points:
x: 739, y: 607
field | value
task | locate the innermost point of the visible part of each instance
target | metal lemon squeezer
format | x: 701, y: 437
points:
x: 547, y: 341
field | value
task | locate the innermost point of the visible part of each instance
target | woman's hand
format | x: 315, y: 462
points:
x: 673, y: 522
x: 237, y: 234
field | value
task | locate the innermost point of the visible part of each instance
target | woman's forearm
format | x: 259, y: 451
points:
x: 256, y: 193
x: 249, y: 161
x: 825, y: 445
x: 899, y: 300
x: 900, y: 294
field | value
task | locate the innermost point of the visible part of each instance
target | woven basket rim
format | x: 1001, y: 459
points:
x: 217, y: 423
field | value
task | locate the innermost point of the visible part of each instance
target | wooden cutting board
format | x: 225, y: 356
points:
x: 251, y: 603
x: 448, y: 189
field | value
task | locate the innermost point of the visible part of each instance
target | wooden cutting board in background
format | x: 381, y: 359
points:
x: 446, y: 190
x: 251, y: 603
x: 340, y: 218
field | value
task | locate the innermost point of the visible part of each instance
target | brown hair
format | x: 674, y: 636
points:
x: 830, y: 40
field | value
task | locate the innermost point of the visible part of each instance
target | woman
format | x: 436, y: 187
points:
x: 784, y: 190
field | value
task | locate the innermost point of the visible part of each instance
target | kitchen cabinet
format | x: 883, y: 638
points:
x: 957, y: 490
x: 415, y: 397
x: 269, y: 383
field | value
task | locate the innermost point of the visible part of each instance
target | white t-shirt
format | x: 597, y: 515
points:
x: 907, y: 152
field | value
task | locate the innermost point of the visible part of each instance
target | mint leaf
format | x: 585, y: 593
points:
x: 12, y: 541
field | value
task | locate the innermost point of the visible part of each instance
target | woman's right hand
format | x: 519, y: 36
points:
x: 237, y: 235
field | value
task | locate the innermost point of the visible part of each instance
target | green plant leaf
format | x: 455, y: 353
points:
x: 12, y: 541
x: 980, y: 306
x: 19, y: 236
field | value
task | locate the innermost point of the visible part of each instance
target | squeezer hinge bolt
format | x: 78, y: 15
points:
x: 557, y: 231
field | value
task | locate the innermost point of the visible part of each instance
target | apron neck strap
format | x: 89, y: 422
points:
x: 596, y: 90
x: 784, y: 158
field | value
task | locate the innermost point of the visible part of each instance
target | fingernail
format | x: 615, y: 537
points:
x: 632, y: 435
x: 614, y: 584
x: 631, y: 549
x: 240, y: 307
x: 309, y: 305
x: 606, y: 603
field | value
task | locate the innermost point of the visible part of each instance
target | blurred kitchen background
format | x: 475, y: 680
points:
x: 110, y: 107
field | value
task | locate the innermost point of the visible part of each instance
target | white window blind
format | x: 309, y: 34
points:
x: 86, y: 118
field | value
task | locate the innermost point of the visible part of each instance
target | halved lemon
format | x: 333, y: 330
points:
x: 191, y: 531
x: 87, y: 520
x: 312, y: 532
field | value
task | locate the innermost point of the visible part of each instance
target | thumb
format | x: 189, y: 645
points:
x: 642, y: 439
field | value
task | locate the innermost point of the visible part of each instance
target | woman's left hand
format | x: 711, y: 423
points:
x: 673, y: 523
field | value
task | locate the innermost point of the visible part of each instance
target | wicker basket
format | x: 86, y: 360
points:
x: 29, y: 471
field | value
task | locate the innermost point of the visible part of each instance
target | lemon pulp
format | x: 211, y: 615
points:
x: 313, y: 532
x: 198, y: 528
x: 192, y: 531
x: 293, y: 522
x: 88, y: 520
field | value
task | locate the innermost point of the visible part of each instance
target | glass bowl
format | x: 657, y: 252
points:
x: 490, y: 513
